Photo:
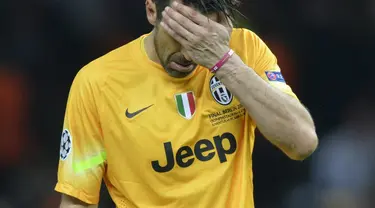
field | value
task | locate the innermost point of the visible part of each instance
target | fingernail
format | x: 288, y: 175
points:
x: 167, y: 8
x: 175, y: 4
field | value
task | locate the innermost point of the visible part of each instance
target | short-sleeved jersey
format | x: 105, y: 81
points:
x: 159, y: 141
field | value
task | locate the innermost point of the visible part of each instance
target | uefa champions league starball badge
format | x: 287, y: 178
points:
x: 66, y: 144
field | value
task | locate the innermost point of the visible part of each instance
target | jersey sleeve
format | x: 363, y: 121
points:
x: 266, y: 66
x: 82, y: 156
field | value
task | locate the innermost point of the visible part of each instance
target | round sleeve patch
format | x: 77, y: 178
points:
x: 66, y: 145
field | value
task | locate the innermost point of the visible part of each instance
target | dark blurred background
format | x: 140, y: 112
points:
x: 326, y: 49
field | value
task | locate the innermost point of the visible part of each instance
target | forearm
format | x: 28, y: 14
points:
x: 71, y: 202
x: 279, y: 117
x: 77, y: 206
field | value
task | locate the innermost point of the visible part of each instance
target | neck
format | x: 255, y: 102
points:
x: 150, y: 47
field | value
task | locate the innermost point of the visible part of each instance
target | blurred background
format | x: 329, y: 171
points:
x: 326, y: 49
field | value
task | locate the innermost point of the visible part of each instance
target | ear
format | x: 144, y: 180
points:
x: 151, y: 12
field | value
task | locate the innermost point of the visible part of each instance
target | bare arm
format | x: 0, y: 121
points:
x: 71, y: 202
x: 283, y: 120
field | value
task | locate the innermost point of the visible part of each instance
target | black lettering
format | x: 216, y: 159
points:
x: 170, y: 160
x: 204, y: 150
x: 221, y: 152
x: 201, y: 147
x: 229, y: 110
x: 180, y: 155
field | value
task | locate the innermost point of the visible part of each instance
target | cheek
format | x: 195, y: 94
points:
x: 166, y: 44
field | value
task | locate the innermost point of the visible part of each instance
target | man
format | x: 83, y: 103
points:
x: 162, y: 130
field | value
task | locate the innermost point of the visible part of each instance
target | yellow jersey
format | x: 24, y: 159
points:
x: 159, y: 141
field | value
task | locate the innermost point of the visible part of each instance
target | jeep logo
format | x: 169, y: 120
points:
x: 185, y: 156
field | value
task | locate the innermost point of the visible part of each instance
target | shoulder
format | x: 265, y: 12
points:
x: 248, y: 45
x: 96, y: 72
x: 245, y: 40
x: 243, y: 35
x: 242, y: 32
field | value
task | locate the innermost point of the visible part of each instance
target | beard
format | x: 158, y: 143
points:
x: 170, y: 60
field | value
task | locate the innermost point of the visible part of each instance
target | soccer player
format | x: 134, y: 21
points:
x: 168, y: 119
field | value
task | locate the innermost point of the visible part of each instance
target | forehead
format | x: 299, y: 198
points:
x: 212, y: 16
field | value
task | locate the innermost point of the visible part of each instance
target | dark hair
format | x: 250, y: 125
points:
x: 228, y: 7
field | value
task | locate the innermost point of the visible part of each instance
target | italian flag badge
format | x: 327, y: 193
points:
x: 186, y: 104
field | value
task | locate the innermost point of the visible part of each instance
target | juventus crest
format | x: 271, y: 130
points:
x: 220, y: 93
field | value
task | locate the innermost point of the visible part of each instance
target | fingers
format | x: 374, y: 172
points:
x: 173, y: 34
x: 196, y: 22
x: 188, y: 26
x: 176, y: 26
x: 190, y: 13
x: 183, y: 21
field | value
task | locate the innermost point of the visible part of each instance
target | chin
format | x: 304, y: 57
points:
x: 178, y: 74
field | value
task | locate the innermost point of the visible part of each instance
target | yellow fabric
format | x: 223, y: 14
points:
x: 164, y: 156
x: 89, y: 163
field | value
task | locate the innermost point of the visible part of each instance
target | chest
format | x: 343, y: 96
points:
x: 165, y: 125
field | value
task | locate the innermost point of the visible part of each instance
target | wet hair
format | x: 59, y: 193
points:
x: 227, y: 7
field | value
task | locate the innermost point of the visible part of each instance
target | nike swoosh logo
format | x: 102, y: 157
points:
x: 131, y: 115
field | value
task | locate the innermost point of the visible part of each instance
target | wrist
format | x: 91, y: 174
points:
x: 229, y: 58
x: 234, y: 62
x: 222, y: 61
x: 232, y: 66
